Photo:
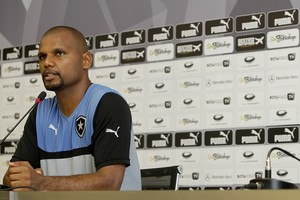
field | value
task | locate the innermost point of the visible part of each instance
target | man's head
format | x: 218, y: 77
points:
x: 64, y: 58
x: 77, y: 35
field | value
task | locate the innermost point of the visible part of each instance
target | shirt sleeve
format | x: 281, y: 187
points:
x: 27, y: 149
x: 112, y: 131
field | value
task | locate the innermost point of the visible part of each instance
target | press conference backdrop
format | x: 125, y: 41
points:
x: 212, y: 85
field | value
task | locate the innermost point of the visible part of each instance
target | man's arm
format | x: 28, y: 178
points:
x: 21, y: 174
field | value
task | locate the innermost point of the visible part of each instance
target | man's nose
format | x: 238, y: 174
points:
x: 49, y: 61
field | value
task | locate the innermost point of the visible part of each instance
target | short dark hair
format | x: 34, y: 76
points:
x: 75, y: 33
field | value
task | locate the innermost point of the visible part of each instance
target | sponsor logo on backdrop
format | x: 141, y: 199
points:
x: 160, y: 34
x: 188, y: 121
x: 224, y: 81
x: 31, y: 67
x: 280, y: 97
x: 188, y: 49
x: 250, y: 136
x: 251, y: 98
x: 187, y: 139
x: 219, y: 26
x: 159, y: 122
x: 10, y: 116
x: 9, y: 147
x: 161, y: 140
x: 139, y: 141
x: 161, y: 87
x: 188, y: 67
x: 282, y: 172
x: 217, y: 101
x: 159, y: 70
x: 136, y: 106
x: 12, y: 69
x: 250, y: 42
x: 188, y: 102
x: 160, y: 52
x: 283, y: 135
x: 10, y: 86
x: 220, y: 188
x: 218, y: 156
x: 30, y: 99
x: 107, y: 58
x: 189, y: 188
x: 132, y: 72
x: 253, y: 60
x: 89, y: 42
x: 251, y: 79
x: 248, y: 154
x: 10, y: 99
x: 189, y: 84
x: 31, y: 50
x: 283, y: 18
x: 218, y: 64
x: 186, y: 154
x: 282, y: 58
x: 33, y: 82
x: 282, y: 115
x: 12, y: 53
x: 133, y: 55
x: 243, y: 176
x: 133, y: 89
x: 189, y: 177
x: 218, y: 177
x: 159, y: 105
x: 283, y: 38
x: 250, y: 22
x: 214, y: 46
x: 283, y: 77
x: 250, y: 117
x: 189, y: 30
x: 220, y: 119
x: 106, y: 41
x: 108, y: 75
x: 216, y: 138
x: 133, y: 37
x: 278, y: 155
x: 157, y: 158
x: 138, y: 124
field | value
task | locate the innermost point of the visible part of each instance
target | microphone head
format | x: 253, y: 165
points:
x: 41, y: 96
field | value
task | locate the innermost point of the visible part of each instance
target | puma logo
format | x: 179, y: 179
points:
x: 51, y: 126
x: 108, y: 130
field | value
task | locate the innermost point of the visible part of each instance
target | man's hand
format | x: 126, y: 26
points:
x: 21, y: 174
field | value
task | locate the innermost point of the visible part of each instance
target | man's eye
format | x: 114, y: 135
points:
x: 42, y: 57
x: 60, y: 53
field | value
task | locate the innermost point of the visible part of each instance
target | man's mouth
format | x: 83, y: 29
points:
x: 48, y: 76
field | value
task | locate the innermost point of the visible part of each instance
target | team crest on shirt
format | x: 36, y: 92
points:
x: 80, y: 125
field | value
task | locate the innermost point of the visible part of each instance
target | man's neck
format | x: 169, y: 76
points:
x: 69, y: 99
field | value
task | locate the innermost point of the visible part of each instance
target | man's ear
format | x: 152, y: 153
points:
x: 87, y: 60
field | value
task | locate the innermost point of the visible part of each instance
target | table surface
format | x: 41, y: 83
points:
x: 150, y: 195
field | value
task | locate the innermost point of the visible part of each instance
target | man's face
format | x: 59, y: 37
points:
x: 60, y: 61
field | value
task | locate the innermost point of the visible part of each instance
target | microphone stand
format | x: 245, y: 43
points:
x: 40, y: 98
x: 268, y: 182
x: 8, y: 134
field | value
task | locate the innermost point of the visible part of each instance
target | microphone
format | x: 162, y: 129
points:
x: 40, y: 98
x: 268, y: 182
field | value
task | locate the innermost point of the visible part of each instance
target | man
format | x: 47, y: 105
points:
x: 81, y: 139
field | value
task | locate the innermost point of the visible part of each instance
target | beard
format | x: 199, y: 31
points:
x: 54, y: 87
